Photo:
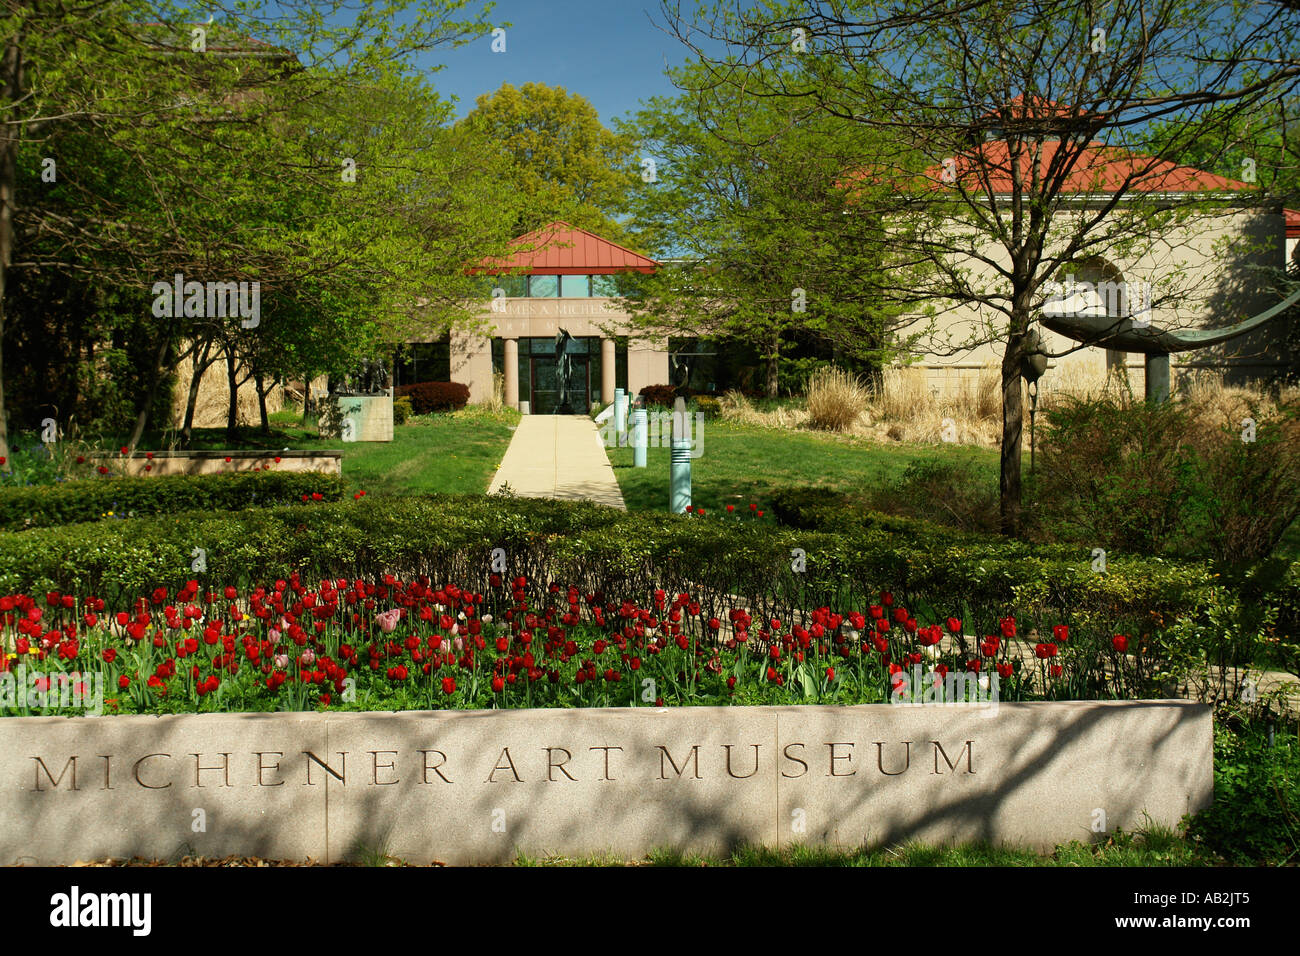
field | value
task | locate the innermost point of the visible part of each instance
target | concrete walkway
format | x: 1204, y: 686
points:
x: 558, y: 456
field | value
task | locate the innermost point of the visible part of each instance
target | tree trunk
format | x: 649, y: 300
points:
x: 232, y: 381
x: 12, y: 87
x: 772, y: 384
x: 199, y: 364
x: 142, y: 416
x: 1013, y: 419
x: 259, y: 384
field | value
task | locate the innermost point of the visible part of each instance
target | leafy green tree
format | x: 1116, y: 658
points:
x: 145, y: 139
x: 564, y: 163
x: 762, y: 236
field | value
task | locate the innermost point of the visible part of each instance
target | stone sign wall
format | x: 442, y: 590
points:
x: 480, y: 786
x: 367, y: 417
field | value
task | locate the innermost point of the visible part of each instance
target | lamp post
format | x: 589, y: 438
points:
x: 679, y: 474
x: 640, y: 438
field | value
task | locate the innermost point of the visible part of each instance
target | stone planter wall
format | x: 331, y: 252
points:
x: 214, y: 462
x: 480, y: 786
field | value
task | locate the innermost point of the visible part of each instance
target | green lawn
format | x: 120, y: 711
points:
x: 1155, y: 847
x: 456, y: 452
x: 744, y: 463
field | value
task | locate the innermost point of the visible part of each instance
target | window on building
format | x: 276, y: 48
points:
x: 604, y: 286
x: 515, y: 287
x: 543, y: 287
x: 423, y: 362
x: 575, y: 287
x: 692, y: 362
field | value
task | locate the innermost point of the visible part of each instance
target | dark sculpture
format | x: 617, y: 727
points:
x: 1155, y: 344
x: 369, y: 378
x: 681, y: 371
x: 563, y: 371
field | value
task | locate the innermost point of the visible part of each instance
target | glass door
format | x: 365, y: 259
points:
x: 545, y: 385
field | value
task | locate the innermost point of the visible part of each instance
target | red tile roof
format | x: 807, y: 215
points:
x: 1098, y: 169
x: 1292, y: 223
x: 560, y: 249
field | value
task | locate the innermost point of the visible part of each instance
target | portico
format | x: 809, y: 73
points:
x: 562, y: 280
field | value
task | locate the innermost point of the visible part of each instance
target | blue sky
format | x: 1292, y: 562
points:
x: 608, y: 51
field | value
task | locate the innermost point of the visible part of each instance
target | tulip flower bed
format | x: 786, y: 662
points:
x: 1170, y: 611
x: 389, y: 644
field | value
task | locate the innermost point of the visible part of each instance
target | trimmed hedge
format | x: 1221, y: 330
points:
x: 1062, y: 572
x: 451, y: 538
x: 91, y: 499
x: 429, y: 397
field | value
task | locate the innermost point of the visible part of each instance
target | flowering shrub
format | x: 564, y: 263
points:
x: 91, y: 498
x: 409, y: 644
x: 429, y: 397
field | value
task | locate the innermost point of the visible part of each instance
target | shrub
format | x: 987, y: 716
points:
x: 1247, y: 493
x: 429, y: 397
x: 953, y: 492
x: 1255, y: 817
x: 402, y: 410
x: 1125, y: 474
x: 659, y: 395
x: 835, y: 399
x: 70, y: 502
x: 709, y: 405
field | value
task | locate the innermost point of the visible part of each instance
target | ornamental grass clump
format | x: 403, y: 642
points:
x: 835, y: 399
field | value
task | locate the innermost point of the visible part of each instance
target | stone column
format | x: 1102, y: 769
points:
x: 608, y: 358
x: 512, y: 372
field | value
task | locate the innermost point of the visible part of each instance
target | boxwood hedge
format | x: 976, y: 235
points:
x: 71, y: 502
x: 453, y: 538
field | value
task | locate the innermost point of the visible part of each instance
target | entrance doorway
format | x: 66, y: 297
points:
x: 545, y: 387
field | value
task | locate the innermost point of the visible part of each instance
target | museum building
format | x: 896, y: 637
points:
x: 561, y: 278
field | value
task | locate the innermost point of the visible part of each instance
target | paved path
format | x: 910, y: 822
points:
x: 558, y: 456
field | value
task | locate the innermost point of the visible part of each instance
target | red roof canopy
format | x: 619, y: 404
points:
x: 1292, y: 223
x: 560, y: 249
x: 1098, y: 169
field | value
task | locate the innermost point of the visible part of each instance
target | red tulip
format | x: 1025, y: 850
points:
x: 954, y: 625
x: 449, y: 685
x: 1120, y: 643
x: 1061, y: 633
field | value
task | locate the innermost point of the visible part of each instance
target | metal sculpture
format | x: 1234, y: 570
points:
x: 563, y: 371
x: 1156, y: 344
